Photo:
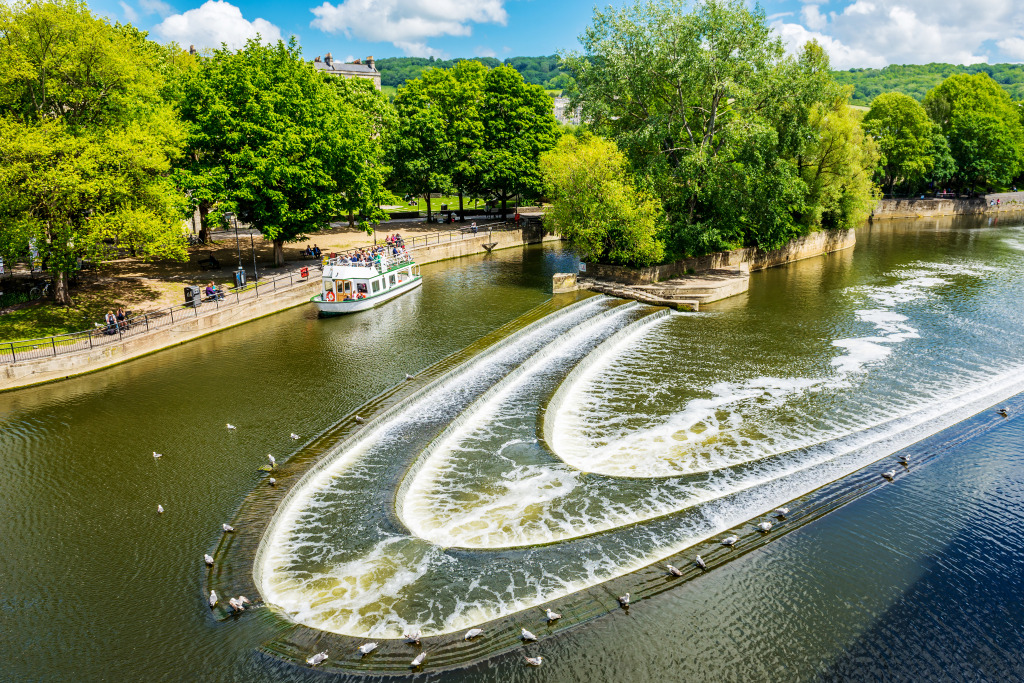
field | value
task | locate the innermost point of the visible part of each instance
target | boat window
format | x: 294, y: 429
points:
x: 415, y: 270
x: 376, y: 286
x: 361, y: 287
x: 392, y: 280
x: 347, y: 286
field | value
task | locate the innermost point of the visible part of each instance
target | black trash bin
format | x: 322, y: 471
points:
x: 239, y: 279
x: 193, y: 296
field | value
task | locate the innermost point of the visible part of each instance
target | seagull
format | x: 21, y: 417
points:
x: 213, y: 599
x: 553, y: 616
x: 903, y: 460
x: 413, y: 636
x: 272, y: 481
x: 408, y: 376
x: 157, y: 455
x: 360, y: 420
x: 272, y: 459
x: 160, y: 509
x: 624, y: 600
x: 227, y: 528
x: 535, y: 661
x: 208, y: 559
x: 674, y: 571
x: 1003, y: 412
x: 765, y: 526
x: 367, y: 648
x: 317, y: 659
x: 473, y: 633
x: 236, y: 605
x: 242, y: 600
x: 782, y: 511
x: 890, y: 475
x: 731, y: 540
x: 526, y: 635
x: 231, y: 426
x: 701, y: 563
x: 419, y: 659
x: 294, y: 435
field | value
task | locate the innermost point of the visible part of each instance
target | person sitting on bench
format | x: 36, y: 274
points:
x: 213, y: 293
x: 111, y: 320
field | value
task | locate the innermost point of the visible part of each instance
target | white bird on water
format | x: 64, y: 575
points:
x: 701, y: 563
x: 242, y: 600
x: 227, y: 528
x: 236, y: 605
x: 624, y: 600
x: 160, y: 509
x: 731, y: 540
x: 294, y: 435
x: 408, y: 376
x: 419, y: 659
x: 272, y: 459
x: 674, y: 571
x: 473, y: 633
x: 535, y: 661
x: 213, y: 599
x: 413, y: 636
x: 367, y: 648
x: 526, y: 635
x: 360, y: 420
x: 903, y: 460
x: 782, y: 511
x: 272, y: 481
x: 890, y: 475
x: 317, y: 659
x: 552, y: 616
x: 231, y: 426
x: 208, y: 560
x: 157, y: 455
x: 765, y: 527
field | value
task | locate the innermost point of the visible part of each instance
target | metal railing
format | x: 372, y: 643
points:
x: 102, y: 335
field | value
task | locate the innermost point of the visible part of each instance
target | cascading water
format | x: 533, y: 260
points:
x: 608, y: 436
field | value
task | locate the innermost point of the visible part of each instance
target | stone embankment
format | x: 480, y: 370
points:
x: 691, y: 282
x: 923, y: 208
x: 40, y: 370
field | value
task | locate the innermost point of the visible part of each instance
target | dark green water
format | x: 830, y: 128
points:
x: 916, y: 580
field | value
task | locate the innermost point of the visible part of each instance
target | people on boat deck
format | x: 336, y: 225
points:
x: 376, y: 254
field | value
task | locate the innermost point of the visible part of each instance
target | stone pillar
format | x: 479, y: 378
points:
x: 563, y: 282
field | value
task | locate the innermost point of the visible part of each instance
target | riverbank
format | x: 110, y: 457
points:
x: 1003, y: 202
x: 18, y: 375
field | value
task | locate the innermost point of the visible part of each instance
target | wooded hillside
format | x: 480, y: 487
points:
x: 917, y: 79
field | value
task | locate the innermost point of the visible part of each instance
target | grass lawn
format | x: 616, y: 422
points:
x: 453, y: 204
x: 389, y: 90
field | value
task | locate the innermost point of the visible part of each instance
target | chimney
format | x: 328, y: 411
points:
x: 192, y: 49
x: 357, y: 62
x: 329, y: 60
x: 370, y: 63
x: 317, y: 60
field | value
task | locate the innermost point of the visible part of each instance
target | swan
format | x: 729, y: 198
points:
x: 701, y: 563
x: 157, y: 455
x: 227, y: 528
x: 731, y: 540
x: 552, y: 616
x: 674, y: 571
x: 208, y: 559
x: 765, y: 527
x: 160, y: 509
x: 413, y: 636
x: 367, y: 648
x: 317, y: 659
x: 535, y: 661
x: 890, y: 475
x: 213, y: 599
x: 419, y: 659
x: 624, y: 600
x: 526, y: 635
x: 473, y: 633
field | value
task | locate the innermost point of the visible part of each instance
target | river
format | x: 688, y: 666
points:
x: 565, y: 463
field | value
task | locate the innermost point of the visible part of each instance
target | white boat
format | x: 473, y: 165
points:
x: 349, y: 287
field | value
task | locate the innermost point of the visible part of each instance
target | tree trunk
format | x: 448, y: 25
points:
x: 204, y: 211
x: 278, y: 251
x: 61, y: 293
x: 462, y: 210
x: 504, y: 202
x: 351, y: 219
x: 428, y: 208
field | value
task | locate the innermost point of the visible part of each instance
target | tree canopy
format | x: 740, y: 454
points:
x: 906, y: 139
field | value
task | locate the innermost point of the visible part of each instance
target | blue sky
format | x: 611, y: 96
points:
x: 857, y: 33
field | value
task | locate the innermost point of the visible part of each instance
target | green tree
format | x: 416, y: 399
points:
x: 905, y: 137
x: 983, y: 127
x: 596, y: 207
x: 86, y: 140
x: 518, y: 126
x: 287, y: 152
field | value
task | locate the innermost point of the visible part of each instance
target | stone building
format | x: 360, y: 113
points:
x: 356, y: 69
x: 563, y: 113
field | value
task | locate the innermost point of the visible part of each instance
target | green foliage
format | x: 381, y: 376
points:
x: 546, y: 71
x: 916, y: 80
x: 287, y: 150
x: 983, y: 127
x: 86, y: 140
x: 596, y: 207
x: 721, y: 125
x: 906, y: 140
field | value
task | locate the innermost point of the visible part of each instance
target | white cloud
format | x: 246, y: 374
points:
x: 407, y: 24
x: 215, y: 22
x: 129, y: 12
x: 868, y: 33
x: 482, y: 51
x: 156, y: 7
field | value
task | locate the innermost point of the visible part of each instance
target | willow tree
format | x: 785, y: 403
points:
x: 289, y: 152
x: 86, y: 140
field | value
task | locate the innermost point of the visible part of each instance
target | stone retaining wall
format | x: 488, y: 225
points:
x: 921, y: 208
x: 815, y: 244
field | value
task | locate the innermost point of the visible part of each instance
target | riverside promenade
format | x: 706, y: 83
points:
x: 54, y: 358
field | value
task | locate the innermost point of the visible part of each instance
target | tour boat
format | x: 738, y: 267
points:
x: 349, y: 287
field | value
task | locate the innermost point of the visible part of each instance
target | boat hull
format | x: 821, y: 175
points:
x: 332, y: 308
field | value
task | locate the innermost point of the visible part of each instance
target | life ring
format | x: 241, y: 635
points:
x: 330, y: 296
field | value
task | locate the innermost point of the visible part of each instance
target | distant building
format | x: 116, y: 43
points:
x: 563, y: 114
x: 356, y: 69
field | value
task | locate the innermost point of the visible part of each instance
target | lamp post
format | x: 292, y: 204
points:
x: 230, y: 218
x: 252, y: 245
